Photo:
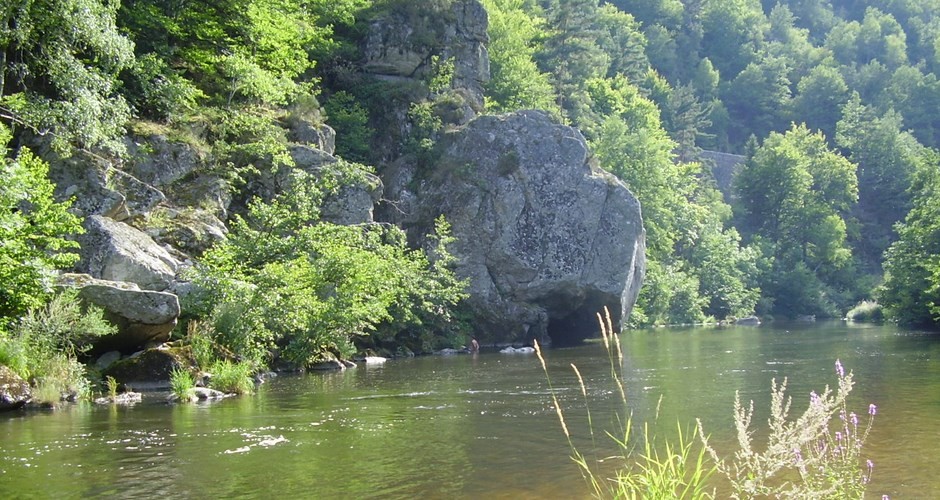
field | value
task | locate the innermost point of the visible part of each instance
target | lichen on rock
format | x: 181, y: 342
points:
x: 546, y: 238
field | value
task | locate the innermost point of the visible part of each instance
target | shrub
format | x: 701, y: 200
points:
x: 158, y: 92
x: 62, y: 326
x: 199, y: 336
x: 866, y: 310
x: 59, y: 329
x: 285, y: 282
x: 816, y: 455
x: 112, y: 385
x: 351, y: 122
x: 61, y: 377
x: 14, y: 353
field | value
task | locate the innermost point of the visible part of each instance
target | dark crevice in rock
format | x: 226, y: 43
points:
x: 575, y: 321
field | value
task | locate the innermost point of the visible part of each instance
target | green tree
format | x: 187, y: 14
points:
x: 877, y: 37
x: 238, y: 51
x: 911, y: 290
x: 758, y: 99
x: 688, y: 277
x: 796, y: 194
x: 58, y: 65
x: 667, y: 13
x: 624, y: 43
x: 915, y: 95
x: 886, y: 159
x: 819, y: 100
x: 515, y: 79
x: 734, y: 33
x: 33, y: 229
x: 571, y: 52
x: 786, y: 40
x: 351, y: 122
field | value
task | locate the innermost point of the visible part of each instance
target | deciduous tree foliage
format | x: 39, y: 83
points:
x: 58, y: 65
x: 516, y: 82
x: 796, y: 194
x: 33, y: 231
x: 285, y: 281
x: 911, y: 290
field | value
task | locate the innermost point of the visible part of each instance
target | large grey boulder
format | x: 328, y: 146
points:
x: 100, y: 186
x: 115, y: 251
x: 150, y: 369
x: 14, y: 391
x: 191, y: 230
x: 142, y: 316
x: 318, y: 135
x: 546, y: 238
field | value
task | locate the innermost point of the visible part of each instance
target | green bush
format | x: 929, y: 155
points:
x: 60, y: 328
x: 308, y: 290
x: 351, y: 122
x: 14, y: 353
x: 866, y: 310
x: 155, y: 91
x: 815, y: 455
x: 61, y: 377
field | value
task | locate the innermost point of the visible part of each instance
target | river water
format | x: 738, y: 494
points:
x: 478, y: 426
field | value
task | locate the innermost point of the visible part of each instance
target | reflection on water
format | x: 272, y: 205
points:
x: 480, y: 426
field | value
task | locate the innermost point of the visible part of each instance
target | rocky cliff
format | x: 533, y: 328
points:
x: 546, y: 238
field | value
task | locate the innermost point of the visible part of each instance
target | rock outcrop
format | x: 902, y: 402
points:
x: 546, y: 238
x: 115, y: 251
x: 150, y: 369
x: 403, y: 44
x: 14, y: 391
x: 358, y: 192
x: 142, y: 316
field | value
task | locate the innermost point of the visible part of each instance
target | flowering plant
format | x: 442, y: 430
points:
x: 816, y: 455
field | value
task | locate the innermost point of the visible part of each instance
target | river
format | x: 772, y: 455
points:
x: 478, y: 426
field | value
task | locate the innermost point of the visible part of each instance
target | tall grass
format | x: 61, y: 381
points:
x: 815, y: 455
x: 182, y: 384
x: 669, y: 470
x: 228, y: 376
x: 232, y: 378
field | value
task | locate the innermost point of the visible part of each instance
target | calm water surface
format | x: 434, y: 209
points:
x: 476, y: 427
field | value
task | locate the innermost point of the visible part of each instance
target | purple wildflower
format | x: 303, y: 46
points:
x: 854, y: 418
x: 838, y: 436
x: 872, y: 409
x: 839, y: 369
